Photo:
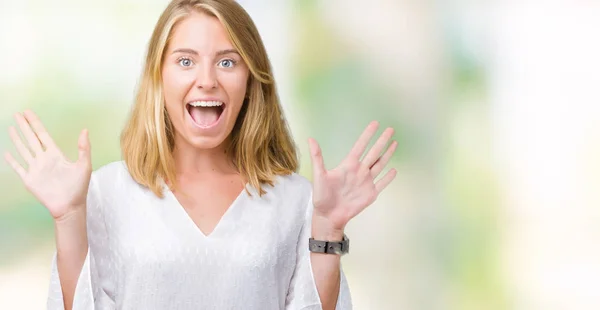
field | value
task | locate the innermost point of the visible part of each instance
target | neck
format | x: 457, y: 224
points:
x: 193, y: 164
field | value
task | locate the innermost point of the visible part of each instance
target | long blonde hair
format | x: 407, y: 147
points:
x: 261, y: 145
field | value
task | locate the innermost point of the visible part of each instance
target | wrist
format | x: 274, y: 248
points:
x: 74, y: 216
x: 71, y: 233
x: 325, y: 229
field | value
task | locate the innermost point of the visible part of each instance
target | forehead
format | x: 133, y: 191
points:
x: 201, y: 32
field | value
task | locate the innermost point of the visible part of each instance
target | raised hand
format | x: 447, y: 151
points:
x: 342, y: 193
x: 59, y: 184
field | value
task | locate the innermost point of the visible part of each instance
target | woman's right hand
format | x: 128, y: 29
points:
x: 59, y: 184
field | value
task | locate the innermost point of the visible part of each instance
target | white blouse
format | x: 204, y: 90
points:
x: 147, y: 253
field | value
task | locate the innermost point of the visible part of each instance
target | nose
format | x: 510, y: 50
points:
x: 207, y: 77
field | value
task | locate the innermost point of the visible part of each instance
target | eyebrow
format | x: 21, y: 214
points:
x: 194, y: 52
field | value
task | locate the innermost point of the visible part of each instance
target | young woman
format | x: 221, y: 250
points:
x: 206, y: 211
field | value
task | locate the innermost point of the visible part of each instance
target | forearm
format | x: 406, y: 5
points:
x: 71, y: 250
x: 326, y: 267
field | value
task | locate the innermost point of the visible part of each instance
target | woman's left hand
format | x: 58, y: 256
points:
x: 342, y: 193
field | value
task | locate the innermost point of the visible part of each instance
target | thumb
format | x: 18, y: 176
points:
x: 316, y: 158
x: 84, y: 148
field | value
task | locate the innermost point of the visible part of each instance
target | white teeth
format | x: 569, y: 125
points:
x: 206, y: 103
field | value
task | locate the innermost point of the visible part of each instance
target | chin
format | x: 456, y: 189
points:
x: 205, y: 143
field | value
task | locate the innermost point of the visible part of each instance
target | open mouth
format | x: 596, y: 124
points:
x: 205, y: 113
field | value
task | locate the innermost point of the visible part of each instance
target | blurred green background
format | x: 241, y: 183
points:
x: 494, y: 103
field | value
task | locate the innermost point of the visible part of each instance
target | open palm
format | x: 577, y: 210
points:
x: 343, y: 192
x: 59, y: 184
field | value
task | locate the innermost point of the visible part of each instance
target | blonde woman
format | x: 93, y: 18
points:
x: 206, y: 210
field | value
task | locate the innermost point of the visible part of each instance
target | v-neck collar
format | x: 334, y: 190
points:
x: 188, y: 222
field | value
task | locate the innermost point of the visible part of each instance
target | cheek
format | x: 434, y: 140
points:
x: 235, y: 86
x: 175, y: 86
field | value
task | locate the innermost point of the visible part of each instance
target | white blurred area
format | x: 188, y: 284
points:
x: 545, y: 92
x: 542, y: 123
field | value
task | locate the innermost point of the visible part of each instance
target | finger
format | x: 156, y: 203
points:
x: 363, y: 141
x: 21, y: 148
x: 375, y: 152
x: 34, y: 144
x: 84, y: 147
x: 15, y: 165
x: 316, y: 158
x: 383, y: 160
x: 39, y: 129
x: 385, y: 181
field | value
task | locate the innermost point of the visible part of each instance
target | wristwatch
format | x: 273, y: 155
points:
x: 329, y: 247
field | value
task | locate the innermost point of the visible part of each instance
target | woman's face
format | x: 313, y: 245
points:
x: 204, y: 82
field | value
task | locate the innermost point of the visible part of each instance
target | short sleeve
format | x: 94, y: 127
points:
x: 95, y: 285
x: 302, y: 293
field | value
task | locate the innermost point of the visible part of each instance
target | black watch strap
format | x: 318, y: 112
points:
x: 329, y: 247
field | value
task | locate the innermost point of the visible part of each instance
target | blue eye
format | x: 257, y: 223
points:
x: 227, y: 63
x: 185, y: 62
